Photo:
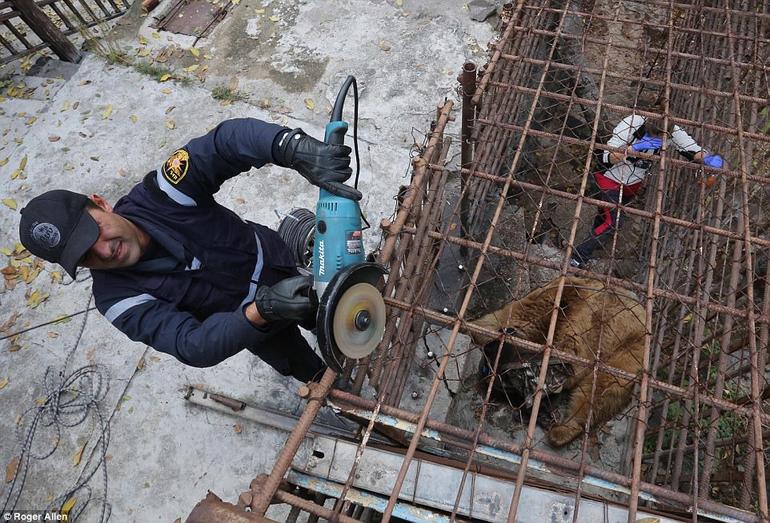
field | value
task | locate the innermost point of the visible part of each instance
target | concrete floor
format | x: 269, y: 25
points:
x: 98, y: 128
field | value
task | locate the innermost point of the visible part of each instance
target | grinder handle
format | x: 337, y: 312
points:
x: 335, y: 132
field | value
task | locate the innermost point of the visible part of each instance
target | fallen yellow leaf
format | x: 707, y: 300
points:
x: 195, y: 52
x: 5, y: 161
x: 310, y: 103
x: 56, y: 277
x: 41, y: 401
x: 156, y: 35
x: 10, y: 202
x: 78, y: 455
x: 30, y: 275
x: 3, y: 382
x: 274, y: 18
x: 166, y: 91
x: 259, y: 11
x: 6, y: 251
x: 171, y: 124
x: 192, y: 68
x: 31, y: 120
x: 11, y: 468
x: 19, y: 172
x: 36, y: 298
x: 142, y: 40
x: 67, y: 507
x: 107, y: 111
x: 143, y: 52
x: 134, y: 118
x: 165, y: 77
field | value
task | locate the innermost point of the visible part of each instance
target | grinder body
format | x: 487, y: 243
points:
x: 338, y: 241
x: 350, y: 321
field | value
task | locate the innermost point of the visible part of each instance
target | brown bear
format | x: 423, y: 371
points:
x: 593, y: 321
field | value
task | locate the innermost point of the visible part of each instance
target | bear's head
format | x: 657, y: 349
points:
x: 518, y: 371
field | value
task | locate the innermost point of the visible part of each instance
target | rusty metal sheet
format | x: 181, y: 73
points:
x: 193, y: 17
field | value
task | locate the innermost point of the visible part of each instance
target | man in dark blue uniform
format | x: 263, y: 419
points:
x: 175, y: 270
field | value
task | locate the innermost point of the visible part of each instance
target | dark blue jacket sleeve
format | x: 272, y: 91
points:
x: 162, y: 326
x: 234, y: 146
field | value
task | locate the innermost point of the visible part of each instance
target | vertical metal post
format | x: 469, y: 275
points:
x: 467, y: 79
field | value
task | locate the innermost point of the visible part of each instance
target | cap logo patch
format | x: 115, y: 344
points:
x: 175, y: 167
x: 46, y: 234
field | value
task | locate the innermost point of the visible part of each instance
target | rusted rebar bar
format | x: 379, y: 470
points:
x: 261, y: 499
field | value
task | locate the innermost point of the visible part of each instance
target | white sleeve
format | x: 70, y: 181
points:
x: 684, y: 142
x: 623, y: 134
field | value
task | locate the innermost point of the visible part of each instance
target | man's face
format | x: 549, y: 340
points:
x: 120, y: 243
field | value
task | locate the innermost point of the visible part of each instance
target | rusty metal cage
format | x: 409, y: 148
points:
x: 686, y: 272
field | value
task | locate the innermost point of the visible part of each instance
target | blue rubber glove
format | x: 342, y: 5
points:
x: 647, y: 142
x: 713, y: 160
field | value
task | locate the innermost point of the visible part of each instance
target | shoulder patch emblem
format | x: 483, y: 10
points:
x: 176, y: 166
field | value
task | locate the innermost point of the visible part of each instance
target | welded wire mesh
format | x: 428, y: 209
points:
x: 642, y: 360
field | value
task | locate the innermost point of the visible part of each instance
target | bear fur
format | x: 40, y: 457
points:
x: 593, y: 320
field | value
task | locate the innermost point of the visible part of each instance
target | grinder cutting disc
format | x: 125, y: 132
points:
x: 351, y: 314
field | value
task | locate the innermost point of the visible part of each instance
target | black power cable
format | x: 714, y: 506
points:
x: 296, y: 230
x: 337, y: 117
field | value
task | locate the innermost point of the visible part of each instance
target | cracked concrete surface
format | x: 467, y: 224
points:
x: 98, y: 128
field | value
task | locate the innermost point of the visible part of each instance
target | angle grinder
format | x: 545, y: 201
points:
x: 350, y: 321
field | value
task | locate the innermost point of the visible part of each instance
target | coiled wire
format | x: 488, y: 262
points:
x: 70, y: 399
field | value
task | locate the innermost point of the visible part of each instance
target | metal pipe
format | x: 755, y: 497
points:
x: 467, y: 79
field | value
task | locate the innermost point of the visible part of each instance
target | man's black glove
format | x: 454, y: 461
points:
x: 290, y: 299
x: 322, y: 164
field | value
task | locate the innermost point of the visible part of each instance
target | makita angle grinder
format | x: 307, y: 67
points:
x: 350, y: 322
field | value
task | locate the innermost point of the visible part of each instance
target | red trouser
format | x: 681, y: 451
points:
x: 607, y: 219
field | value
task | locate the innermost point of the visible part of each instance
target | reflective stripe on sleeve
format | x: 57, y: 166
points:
x: 255, y: 275
x: 123, y: 305
x: 172, y: 192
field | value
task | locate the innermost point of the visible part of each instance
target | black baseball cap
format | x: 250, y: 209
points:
x: 56, y: 227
